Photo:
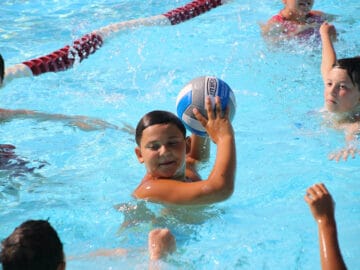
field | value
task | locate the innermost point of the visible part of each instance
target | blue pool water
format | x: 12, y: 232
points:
x: 82, y: 181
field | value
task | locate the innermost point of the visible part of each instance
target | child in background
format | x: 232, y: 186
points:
x: 295, y: 20
x: 170, y: 158
x: 342, y: 92
x: 322, y: 208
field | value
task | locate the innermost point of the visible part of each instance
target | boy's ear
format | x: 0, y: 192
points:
x: 139, y: 155
x: 188, y: 144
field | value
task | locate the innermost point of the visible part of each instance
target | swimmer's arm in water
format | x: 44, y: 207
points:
x: 161, y: 242
x: 81, y: 122
x: 220, y: 183
x: 352, y: 131
x: 328, y: 60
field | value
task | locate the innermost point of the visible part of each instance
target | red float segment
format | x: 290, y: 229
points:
x: 191, y: 10
x: 64, y: 58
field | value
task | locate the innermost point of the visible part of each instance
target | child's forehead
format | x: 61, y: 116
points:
x: 339, y: 73
x: 161, y: 131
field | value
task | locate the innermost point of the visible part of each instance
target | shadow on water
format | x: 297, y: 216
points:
x: 13, y: 168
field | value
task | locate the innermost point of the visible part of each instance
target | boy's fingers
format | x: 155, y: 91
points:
x: 200, y: 117
x: 218, y: 106
x: 209, y: 108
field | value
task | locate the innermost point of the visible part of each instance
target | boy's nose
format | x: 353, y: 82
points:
x: 163, y: 149
x: 334, y: 90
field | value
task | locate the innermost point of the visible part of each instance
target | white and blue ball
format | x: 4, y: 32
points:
x: 194, y: 95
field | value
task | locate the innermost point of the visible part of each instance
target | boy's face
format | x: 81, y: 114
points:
x: 301, y: 7
x: 340, y: 94
x: 163, y: 149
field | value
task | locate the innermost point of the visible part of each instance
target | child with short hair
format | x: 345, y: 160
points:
x: 33, y: 245
x: 295, y: 20
x: 170, y: 158
x: 342, y: 91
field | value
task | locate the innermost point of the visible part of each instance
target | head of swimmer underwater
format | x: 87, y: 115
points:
x: 162, y: 145
x: 298, y: 7
x: 342, y: 88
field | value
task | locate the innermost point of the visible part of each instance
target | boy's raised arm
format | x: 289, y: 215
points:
x: 328, y: 60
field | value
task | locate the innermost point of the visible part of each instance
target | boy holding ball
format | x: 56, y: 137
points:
x: 170, y: 158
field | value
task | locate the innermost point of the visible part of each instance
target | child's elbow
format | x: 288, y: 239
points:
x: 225, y: 192
x: 228, y: 192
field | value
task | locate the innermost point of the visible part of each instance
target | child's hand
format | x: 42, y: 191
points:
x: 344, y: 154
x: 320, y: 202
x: 218, y: 124
x: 160, y: 242
x: 328, y: 30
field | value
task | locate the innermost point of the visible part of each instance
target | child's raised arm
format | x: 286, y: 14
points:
x: 322, y: 208
x: 328, y: 34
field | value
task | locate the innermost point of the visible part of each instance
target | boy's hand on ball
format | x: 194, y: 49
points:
x: 217, y: 125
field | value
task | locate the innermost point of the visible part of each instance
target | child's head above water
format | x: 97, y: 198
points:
x: 155, y: 118
x: 352, y: 67
x: 301, y: 7
x: 162, y: 144
x: 342, y: 86
x: 33, y: 245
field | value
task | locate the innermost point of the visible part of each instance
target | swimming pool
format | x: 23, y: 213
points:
x: 85, y: 185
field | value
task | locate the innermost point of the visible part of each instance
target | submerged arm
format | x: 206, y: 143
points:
x: 81, y: 122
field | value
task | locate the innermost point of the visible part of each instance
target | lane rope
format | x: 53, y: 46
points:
x: 81, y: 48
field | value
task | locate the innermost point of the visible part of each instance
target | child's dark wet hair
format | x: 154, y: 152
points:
x: 2, y: 69
x: 155, y: 118
x: 33, y: 245
x: 352, y: 66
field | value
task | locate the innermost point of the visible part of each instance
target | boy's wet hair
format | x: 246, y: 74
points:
x: 32, y: 245
x: 352, y: 67
x: 2, y: 69
x: 155, y: 118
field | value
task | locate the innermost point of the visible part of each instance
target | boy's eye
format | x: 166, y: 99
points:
x: 153, y: 146
x: 328, y: 84
x: 172, y: 143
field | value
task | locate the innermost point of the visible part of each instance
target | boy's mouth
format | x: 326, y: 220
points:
x: 166, y: 163
x: 331, y: 101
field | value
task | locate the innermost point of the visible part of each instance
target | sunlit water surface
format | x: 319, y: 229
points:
x: 82, y: 181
